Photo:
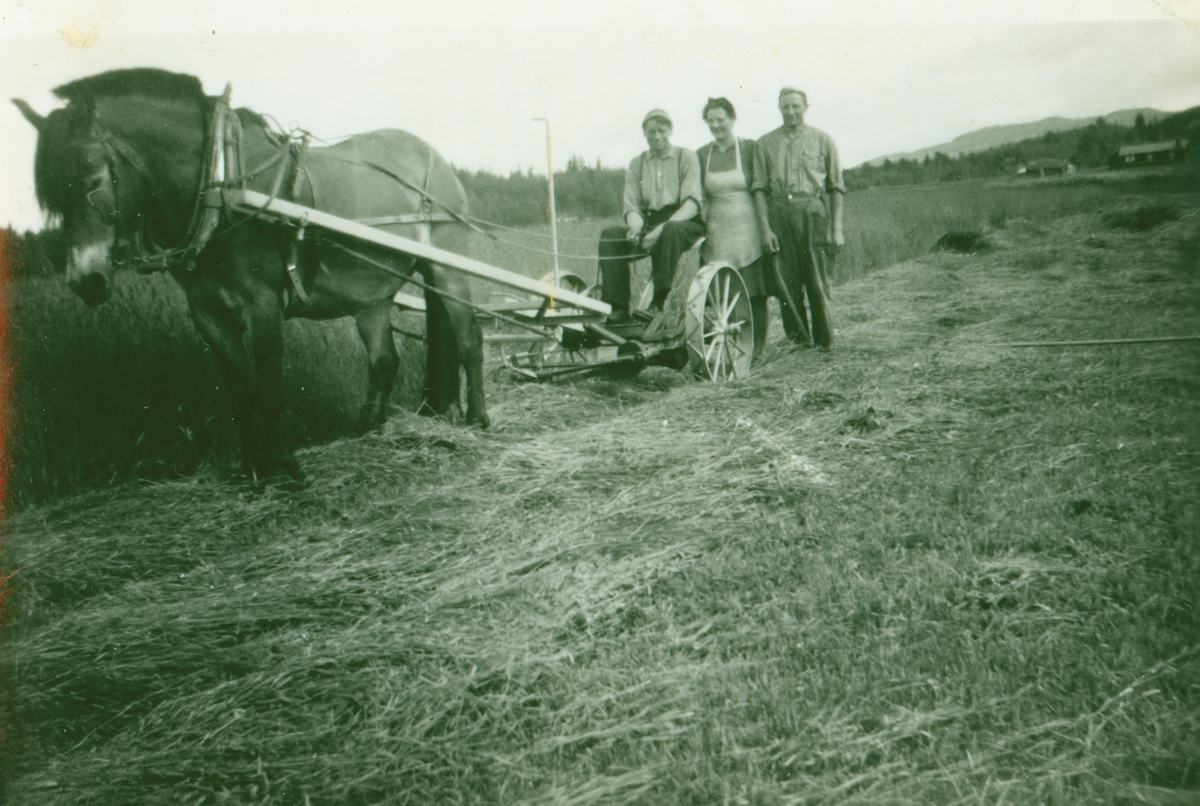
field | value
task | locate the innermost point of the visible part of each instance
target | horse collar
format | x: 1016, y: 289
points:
x: 205, y: 213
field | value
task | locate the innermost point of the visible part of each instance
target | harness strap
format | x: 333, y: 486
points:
x: 298, y: 152
x: 408, y: 218
x: 293, y: 272
x: 461, y: 219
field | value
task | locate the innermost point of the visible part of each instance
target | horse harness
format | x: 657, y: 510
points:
x: 224, y: 168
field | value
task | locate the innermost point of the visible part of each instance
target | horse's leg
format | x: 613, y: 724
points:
x: 222, y: 322
x: 375, y: 327
x: 245, y: 331
x: 461, y: 342
x: 266, y: 332
x: 467, y: 342
x: 442, y: 360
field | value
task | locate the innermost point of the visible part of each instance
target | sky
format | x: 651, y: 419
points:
x: 882, y: 76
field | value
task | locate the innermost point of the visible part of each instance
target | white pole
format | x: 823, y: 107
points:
x: 553, y: 213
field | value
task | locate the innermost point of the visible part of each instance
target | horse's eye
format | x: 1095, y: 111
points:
x: 94, y: 183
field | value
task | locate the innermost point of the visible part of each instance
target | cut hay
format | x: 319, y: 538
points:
x: 858, y: 577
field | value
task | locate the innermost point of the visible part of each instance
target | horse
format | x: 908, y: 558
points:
x: 129, y: 168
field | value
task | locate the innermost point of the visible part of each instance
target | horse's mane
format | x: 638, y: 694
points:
x: 137, y: 81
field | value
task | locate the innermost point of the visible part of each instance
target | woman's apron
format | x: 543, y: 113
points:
x: 732, y: 224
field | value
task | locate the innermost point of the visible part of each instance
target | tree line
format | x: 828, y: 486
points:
x: 594, y: 191
x: 33, y: 254
x: 520, y: 199
x: 1091, y: 146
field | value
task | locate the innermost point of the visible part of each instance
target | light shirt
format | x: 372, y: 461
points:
x: 805, y: 163
x: 652, y: 183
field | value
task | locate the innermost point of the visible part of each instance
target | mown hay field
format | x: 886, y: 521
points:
x: 128, y: 390
x: 923, y: 567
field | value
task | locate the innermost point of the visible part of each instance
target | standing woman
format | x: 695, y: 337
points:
x: 733, y: 236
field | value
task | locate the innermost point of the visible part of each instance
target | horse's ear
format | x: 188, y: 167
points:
x: 33, y: 117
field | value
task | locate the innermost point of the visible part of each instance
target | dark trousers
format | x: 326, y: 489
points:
x: 617, y: 253
x: 802, y: 226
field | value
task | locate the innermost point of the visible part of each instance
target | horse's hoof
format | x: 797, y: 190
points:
x: 293, y: 469
x: 372, y: 418
x: 286, y: 474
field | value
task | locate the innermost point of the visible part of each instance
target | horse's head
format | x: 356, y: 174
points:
x: 78, y: 183
x: 94, y: 180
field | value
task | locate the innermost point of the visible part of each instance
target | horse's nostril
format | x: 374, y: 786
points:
x: 92, y: 289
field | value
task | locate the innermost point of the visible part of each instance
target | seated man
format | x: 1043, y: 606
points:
x: 662, y: 216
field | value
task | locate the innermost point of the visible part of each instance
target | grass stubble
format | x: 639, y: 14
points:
x: 920, y: 568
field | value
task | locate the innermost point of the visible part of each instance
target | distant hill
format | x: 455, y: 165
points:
x: 993, y: 136
x: 1092, y: 145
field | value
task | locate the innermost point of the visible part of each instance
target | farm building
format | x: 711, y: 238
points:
x: 1167, y: 151
x: 1047, y: 167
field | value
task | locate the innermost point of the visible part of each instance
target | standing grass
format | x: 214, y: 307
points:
x: 884, y: 226
x: 129, y: 390
x: 921, y: 568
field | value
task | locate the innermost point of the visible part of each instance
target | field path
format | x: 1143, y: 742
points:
x: 918, y: 568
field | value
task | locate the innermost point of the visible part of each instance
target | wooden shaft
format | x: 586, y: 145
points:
x: 251, y: 202
x: 512, y: 338
x: 445, y: 295
x: 1092, y: 342
x: 787, y: 296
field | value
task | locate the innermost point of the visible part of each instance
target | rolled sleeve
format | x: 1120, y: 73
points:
x: 761, y: 177
x: 634, y: 203
x: 833, y: 170
x: 689, y: 178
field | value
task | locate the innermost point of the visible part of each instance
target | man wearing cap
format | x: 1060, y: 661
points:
x: 798, y: 191
x: 661, y: 212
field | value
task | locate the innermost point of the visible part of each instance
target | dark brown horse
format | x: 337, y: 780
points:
x: 129, y: 166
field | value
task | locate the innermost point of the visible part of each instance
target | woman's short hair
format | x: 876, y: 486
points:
x: 719, y: 103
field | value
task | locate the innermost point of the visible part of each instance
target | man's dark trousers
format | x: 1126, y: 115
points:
x: 802, y: 226
x: 617, y: 252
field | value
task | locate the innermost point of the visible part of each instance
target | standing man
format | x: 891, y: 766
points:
x: 798, y: 191
x: 661, y: 212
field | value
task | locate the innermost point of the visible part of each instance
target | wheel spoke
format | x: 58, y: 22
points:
x: 709, y: 351
x: 729, y: 310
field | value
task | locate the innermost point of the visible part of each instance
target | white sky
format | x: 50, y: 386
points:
x: 467, y: 75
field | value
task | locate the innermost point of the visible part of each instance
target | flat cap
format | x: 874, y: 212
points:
x: 793, y: 91
x: 661, y: 114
